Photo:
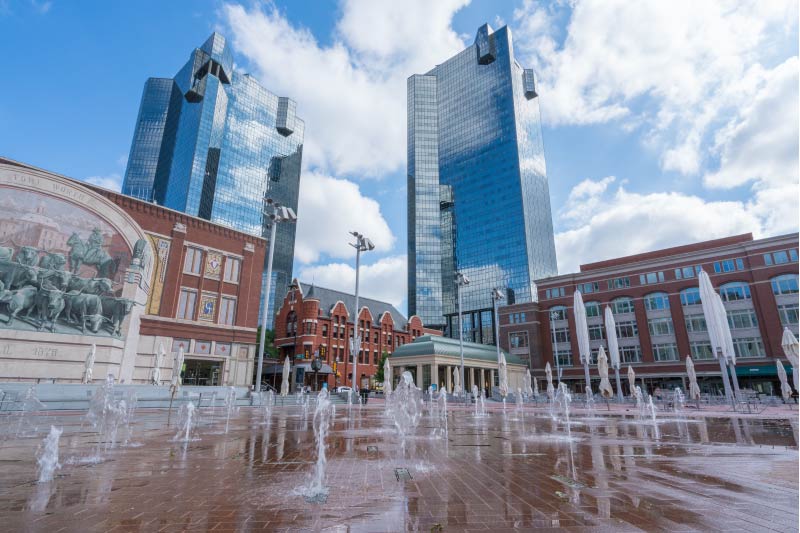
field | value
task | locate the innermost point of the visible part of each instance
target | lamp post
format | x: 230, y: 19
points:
x: 461, y: 281
x: 553, y: 318
x: 497, y: 297
x: 277, y: 214
x: 316, y: 365
x: 362, y: 244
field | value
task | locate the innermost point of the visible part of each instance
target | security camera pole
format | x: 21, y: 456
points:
x: 461, y: 281
x: 276, y: 213
x: 362, y: 244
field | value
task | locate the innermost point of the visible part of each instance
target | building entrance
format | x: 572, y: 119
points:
x: 202, y: 372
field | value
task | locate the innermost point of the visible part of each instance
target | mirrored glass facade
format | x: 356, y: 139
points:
x: 478, y: 196
x: 213, y: 143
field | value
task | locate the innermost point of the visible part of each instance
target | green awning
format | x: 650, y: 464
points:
x: 761, y: 370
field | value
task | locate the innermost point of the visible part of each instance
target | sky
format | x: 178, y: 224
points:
x: 664, y: 123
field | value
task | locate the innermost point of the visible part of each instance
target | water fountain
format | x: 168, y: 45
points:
x: 475, y: 397
x: 48, y: 457
x: 268, y: 403
x: 564, y: 400
x: 349, y: 398
x: 678, y: 401
x: 405, y: 405
x: 438, y: 412
x: 482, y: 400
x: 651, y: 409
x: 107, y: 414
x: 519, y: 400
x: 316, y: 491
x: 230, y: 406
x: 639, y: 398
x: 25, y: 423
x: 589, y: 400
x: 187, y: 422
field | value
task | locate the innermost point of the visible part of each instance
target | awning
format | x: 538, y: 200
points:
x: 760, y: 370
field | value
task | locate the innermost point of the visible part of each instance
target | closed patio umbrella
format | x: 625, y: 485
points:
x: 527, y: 382
x: 456, y: 381
x: 602, y: 368
x: 631, y: 379
x: 548, y: 373
x: 387, y: 377
x: 786, y: 390
x: 535, y: 387
x: 708, y: 298
x: 89, y: 366
x: 158, y: 360
x: 613, y: 348
x: 789, y: 344
x: 287, y: 367
x: 502, y: 367
x: 582, y: 332
x: 694, y: 388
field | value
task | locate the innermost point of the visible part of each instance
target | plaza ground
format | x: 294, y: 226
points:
x: 509, y: 470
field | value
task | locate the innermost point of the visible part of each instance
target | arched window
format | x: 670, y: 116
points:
x: 623, y: 304
x: 656, y: 301
x: 558, y: 312
x: 592, y: 309
x: 735, y: 291
x: 291, y: 323
x: 786, y: 284
x: 690, y: 296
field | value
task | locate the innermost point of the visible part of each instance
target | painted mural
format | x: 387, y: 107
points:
x: 61, y: 267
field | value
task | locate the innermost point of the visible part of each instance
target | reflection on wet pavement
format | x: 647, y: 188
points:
x: 502, y: 471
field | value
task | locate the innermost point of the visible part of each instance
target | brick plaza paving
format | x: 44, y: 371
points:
x: 504, y: 471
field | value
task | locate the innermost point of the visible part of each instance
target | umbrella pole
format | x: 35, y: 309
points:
x: 725, y: 381
x: 619, y: 385
x: 169, y: 411
x: 586, y: 375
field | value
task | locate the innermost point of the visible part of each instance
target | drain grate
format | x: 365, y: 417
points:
x: 372, y: 449
x: 402, y: 474
x: 568, y: 481
x: 317, y: 498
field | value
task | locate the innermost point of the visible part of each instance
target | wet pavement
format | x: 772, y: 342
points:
x: 505, y: 471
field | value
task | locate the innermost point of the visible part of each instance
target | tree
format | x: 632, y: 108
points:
x: 379, y: 374
x: 270, y: 351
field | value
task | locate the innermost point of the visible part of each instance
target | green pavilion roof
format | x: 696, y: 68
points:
x: 437, y: 345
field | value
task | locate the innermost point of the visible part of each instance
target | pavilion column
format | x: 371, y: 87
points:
x: 435, y: 375
x: 483, y: 380
x: 471, y: 378
x: 419, y: 375
x: 491, y: 380
x: 448, y: 378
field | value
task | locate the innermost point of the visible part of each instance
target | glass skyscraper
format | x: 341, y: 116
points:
x: 478, y: 197
x: 213, y: 143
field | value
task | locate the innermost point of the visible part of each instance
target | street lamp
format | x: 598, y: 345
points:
x: 497, y: 297
x: 362, y: 244
x: 277, y: 214
x: 461, y: 281
x: 553, y: 318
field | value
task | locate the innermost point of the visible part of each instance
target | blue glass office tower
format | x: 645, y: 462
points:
x: 478, y: 198
x: 213, y: 143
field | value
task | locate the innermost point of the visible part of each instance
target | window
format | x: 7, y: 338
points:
x: 781, y: 257
x: 627, y: 330
x: 788, y: 314
x: 742, y: 319
x: 227, y: 311
x: 622, y: 305
x: 656, y: 301
x: 768, y: 259
x: 518, y: 340
x: 232, y: 266
x: 562, y: 335
x: 729, y: 265
x: 558, y: 313
x: 517, y: 318
x: 748, y: 347
x: 696, y: 323
x: 690, y: 296
x: 558, y: 292
x: 732, y: 292
x: 630, y: 354
x: 324, y: 330
x: 592, y: 309
x: 660, y: 326
x: 665, y: 352
x: 701, y: 350
x: 193, y: 260
x: 377, y: 338
x: 186, y: 304
x: 619, y: 283
x: 587, y: 288
x: 597, y: 332
x: 687, y: 272
x: 650, y: 278
x: 786, y: 284
x: 564, y: 358
x: 291, y: 323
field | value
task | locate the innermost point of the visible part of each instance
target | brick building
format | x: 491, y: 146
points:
x: 315, y: 320
x: 659, y: 320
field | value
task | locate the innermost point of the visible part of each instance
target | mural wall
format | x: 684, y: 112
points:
x: 62, y: 267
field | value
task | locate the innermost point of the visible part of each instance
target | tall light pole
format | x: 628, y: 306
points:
x: 553, y: 317
x: 497, y: 297
x: 362, y: 244
x: 461, y: 281
x: 277, y: 214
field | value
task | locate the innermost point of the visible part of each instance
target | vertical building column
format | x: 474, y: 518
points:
x: 448, y: 377
x: 491, y: 380
x: 419, y: 375
x: 249, y: 279
x: 169, y: 299
x: 435, y: 375
x: 483, y: 380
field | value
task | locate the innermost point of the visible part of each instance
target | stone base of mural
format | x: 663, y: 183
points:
x: 32, y: 356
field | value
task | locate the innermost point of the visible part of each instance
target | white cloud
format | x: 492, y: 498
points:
x: 112, y: 181
x: 328, y: 211
x: 352, y: 92
x: 384, y: 280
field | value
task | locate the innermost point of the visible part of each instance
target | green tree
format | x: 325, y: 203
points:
x: 270, y: 351
x: 379, y: 374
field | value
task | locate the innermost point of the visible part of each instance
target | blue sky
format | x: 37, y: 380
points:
x: 664, y: 123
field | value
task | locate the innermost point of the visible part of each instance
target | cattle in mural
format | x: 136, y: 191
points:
x: 116, y: 309
x: 49, y: 304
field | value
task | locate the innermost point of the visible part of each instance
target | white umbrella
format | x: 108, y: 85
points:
x: 177, y: 365
x: 786, y: 390
x: 613, y: 348
x: 535, y: 387
x: 789, y: 344
x: 387, y: 377
x: 87, y: 371
x: 548, y: 372
x: 456, y: 381
x: 287, y: 367
x: 527, y: 382
x: 708, y: 299
x: 694, y: 388
x: 502, y: 367
x: 631, y: 379
x: 602, y: 368
x: 157, y: 362
x: 582, y: 332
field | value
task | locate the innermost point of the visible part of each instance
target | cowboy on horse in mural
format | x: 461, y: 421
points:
x: 91, y: 253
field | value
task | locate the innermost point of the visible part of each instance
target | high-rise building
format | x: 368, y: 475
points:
x: 213, y: 143
x: 478, y: 197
